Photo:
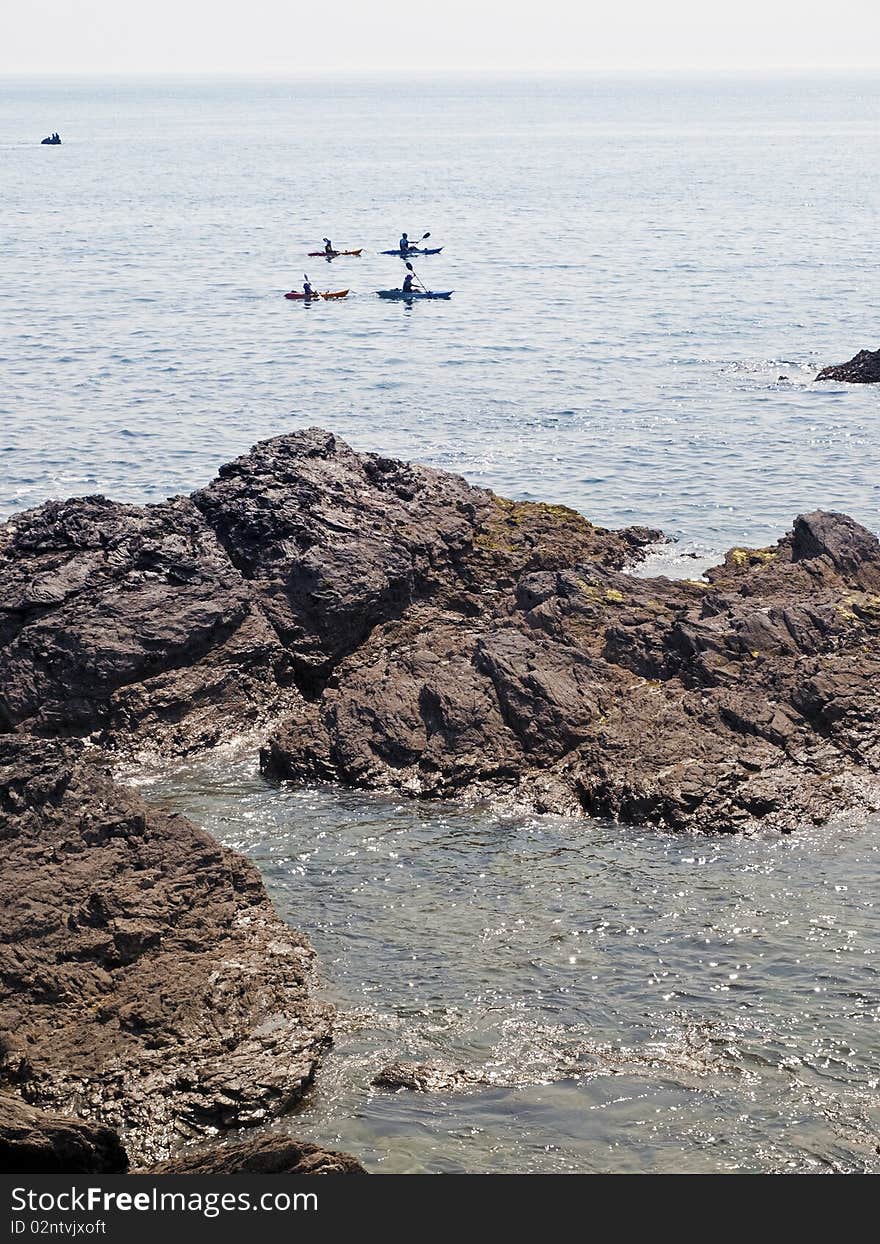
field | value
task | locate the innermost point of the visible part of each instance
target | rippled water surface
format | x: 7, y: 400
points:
x: 623, y: 1001
x: 647, y: 277
x: 635, y: 265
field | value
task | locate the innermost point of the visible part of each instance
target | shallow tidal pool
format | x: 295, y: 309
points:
x: 622, y: 1000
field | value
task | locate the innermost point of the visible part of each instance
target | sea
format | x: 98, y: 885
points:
x: 647, y: 277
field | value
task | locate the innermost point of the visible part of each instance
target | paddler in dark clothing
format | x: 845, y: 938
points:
x: 408, y: 283
x: 328, y: 248
x: 307, y: 287
x: 404, y: 244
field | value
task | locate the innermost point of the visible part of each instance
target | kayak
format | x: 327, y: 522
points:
x: 414, y: 250
x: 415, y: 293
x: 333, y: 254
x: 339, y: 293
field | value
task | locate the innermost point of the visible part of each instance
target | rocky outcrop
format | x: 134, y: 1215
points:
x: 334, y: 543
x: 147, y: 983
x: 271, y: 1153
x: 862, y: 368
x: 34, y: 1142
x: 428, y: 636
x: 708, y: 705
x: 174, y: 626
x: 130, y: 625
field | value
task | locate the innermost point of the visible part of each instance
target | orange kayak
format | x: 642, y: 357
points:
x: 339, y: 293
x: 333, y: 254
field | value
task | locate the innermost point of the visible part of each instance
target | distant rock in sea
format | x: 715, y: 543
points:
x: 862, y: 368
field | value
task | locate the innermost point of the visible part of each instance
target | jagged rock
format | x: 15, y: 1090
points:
x: 271, y: 1153
x: 753, y: 697
x: 147, y: 983
x: 862, y: 368
x: 34, y: 1142
x: 421, y: 635
x: 444, y: 641
x: 129, y: 623
x: 335, y: 543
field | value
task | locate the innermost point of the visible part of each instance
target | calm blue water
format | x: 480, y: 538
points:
x: 635, y: 267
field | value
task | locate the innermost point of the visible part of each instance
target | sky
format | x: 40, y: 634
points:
x: 287, y: 37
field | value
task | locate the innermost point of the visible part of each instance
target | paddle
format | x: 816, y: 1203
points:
x: 412, y: 270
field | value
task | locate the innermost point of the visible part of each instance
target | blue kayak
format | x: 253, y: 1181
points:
x: 402, y: 295
x: 414, y: 250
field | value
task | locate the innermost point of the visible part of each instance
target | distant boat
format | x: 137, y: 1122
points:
x: 407, y: 295
x: 54, y: 140
x: 415, y: 250
x: 337, y: 293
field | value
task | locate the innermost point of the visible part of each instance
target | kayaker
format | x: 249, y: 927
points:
x: 307, y: 287
x: 404, y: 244
x: 328, y: 248
x: 408, y: 283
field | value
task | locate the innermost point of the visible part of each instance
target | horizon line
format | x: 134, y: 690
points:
x: 465, y: 72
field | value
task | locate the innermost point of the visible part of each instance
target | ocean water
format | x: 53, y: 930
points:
x: 647, y: 277
x: 635, y: 266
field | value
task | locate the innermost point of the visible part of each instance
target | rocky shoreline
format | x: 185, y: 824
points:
x: 384, y: 625
x: 147, y: 983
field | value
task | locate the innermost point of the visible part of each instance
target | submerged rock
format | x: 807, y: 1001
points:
x: 148, y: 984
x: 424, y: 1077
x: 862, y: 368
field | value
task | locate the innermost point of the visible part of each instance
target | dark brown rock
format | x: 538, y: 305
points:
x: 753, y: 697
x: 335, y: 543
x: 130, y: 624
x: 34, y: 1142
x: 147, y: 983
x: 270, y: 1153
x: 443, y: 641
x: 862, y: 368
x: 448, y: 642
